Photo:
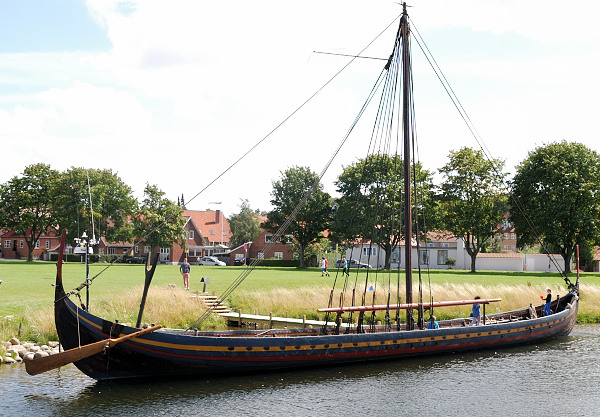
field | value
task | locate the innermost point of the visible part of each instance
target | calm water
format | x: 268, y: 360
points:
x: 561, y: 377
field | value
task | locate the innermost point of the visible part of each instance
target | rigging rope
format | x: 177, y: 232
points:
x: 250, y: 150
x: 470, y: 125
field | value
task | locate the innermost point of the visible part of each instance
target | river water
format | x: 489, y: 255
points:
x: 561, y: 377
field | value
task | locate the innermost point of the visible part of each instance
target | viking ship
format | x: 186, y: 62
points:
x: 105, y: 349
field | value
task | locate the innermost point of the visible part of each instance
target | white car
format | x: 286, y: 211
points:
x: 210, y: 260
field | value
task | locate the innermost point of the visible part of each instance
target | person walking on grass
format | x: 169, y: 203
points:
x: 324, y: 270
x: 345, y: 266
x: 185, y: 273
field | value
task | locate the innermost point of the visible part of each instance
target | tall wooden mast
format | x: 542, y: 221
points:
x: 406, y: 130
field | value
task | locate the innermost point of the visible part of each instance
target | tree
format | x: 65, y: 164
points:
x: 26, y: 204
x: 79, y: 190
x: 556, y: 188
x: 312, y: 219
x: 472, y: 198
x: 371, y: 202
x: 245, y: 225
x: 159, y: 221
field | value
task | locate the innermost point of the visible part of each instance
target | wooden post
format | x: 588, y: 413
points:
x: 270, y: 320
x: 239, y: 318
x: 304, y: 321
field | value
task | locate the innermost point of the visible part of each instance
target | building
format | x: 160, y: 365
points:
x: 14, y: 245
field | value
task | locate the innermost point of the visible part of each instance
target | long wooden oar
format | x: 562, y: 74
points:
x: 39, y: 365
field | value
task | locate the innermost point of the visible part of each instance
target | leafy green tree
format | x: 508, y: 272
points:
x: 557, y: 190
x: 314, y: 217
x: 245, y: 225
x: 159, y: 222
x: 26, y: 204
x: 105, y: 194
x: 473, y: 200
x: 371, y: 205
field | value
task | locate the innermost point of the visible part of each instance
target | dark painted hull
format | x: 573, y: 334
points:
x: 206, y: 354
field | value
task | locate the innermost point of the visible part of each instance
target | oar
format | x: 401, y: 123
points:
x: 39, y: 365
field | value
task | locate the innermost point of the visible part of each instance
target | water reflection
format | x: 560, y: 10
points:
x: 519, y: 381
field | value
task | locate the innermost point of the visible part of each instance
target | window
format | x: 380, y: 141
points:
x: 136, y: 250
x: 269, y: 239
x: 512, y: 247
x: 278, y: 255
x: 111, y: 251
x: 505, y: 235
x: 424, y: 257
x: 513, y: 236
x: 146, y: 249
x: 261, y: 255
x: 7, y: 243
x: 442, y: 257
x: 369, y: 251
x: 430, y: 245
x: 21, y: 243
x: 47, y: 244
x: 191, y: 234
x: 289, y: 238
x: 37, y: 245
x: 446, y: 245
x: 505, y: 247
x: 100, y: 251
x: 212, y: 232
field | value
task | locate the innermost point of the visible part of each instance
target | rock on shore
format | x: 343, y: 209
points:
x: 17, y: 351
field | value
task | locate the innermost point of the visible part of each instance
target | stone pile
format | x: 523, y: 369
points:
x: 17, y: 351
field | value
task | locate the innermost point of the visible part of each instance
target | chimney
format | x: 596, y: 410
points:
x: 218, y: 216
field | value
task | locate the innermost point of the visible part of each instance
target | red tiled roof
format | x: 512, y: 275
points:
x: 208, y: 221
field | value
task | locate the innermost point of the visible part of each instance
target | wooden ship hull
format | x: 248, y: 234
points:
x: 209, y: 354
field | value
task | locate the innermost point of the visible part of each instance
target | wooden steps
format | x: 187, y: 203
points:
x: 210, y: 301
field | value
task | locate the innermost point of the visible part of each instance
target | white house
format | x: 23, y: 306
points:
x: 435, y: 251
x: 442, y: 245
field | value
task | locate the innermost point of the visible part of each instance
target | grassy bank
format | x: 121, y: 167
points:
x: 26, y: 294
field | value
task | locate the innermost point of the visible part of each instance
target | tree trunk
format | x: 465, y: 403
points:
x: 301, y: 255
x: 388, y: 256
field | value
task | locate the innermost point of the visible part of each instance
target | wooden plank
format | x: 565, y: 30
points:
x: 409, y: 305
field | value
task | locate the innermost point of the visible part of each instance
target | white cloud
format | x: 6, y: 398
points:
x: 189, y: 86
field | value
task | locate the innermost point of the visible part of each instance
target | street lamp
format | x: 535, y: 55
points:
x: 83, y: 246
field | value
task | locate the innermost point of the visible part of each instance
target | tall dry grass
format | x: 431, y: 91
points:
x: 306, y: 300
x: 176, y: 308
x: 170, y: 307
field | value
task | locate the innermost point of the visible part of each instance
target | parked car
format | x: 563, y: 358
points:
x: 352, y: 263
x: 210, y: 260
x: 239, y: 261
x: 136, y: 260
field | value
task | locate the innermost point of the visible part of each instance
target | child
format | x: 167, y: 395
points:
x: 547, y: 310
x: 476, y: 314
x: 324, y: 270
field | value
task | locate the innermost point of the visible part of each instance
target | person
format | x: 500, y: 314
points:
x: 185, y: 273
x: 324, y: 270
x: 345, y: 266
x: 433, y: 324
x: 476, y: 313
x: 547, y: 310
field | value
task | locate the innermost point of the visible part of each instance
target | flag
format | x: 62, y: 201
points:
x: 370, y: 288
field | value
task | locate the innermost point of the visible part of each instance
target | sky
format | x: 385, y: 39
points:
x: 172, y: 93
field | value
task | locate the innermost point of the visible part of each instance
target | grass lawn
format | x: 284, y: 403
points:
x: 27, y: 287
